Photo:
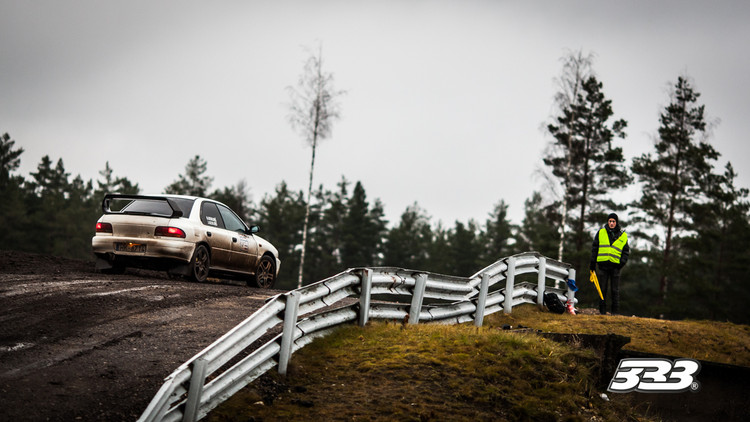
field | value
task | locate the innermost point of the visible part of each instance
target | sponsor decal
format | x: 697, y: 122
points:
x: 656, y: 376
x: 244, y: 243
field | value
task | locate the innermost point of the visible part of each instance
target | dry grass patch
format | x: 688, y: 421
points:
x: 386, y: 371
x: 722, y: 342
x: 431, y: 372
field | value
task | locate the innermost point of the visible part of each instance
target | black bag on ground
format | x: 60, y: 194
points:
x: 553, y: 303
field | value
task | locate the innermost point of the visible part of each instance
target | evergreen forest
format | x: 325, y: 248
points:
x: 688, y: 229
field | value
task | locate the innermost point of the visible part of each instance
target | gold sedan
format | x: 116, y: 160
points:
x: 184, y: 235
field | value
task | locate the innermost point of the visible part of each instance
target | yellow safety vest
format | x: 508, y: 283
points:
x: 613, y: 252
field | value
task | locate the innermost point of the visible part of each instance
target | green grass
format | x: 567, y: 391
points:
x: 387, y: 371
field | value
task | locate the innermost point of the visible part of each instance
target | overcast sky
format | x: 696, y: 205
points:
x: 445, y: 100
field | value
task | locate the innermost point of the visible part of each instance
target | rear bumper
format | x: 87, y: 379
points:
x: 156, y: 249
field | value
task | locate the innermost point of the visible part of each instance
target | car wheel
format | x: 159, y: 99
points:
x: 265, y: 274
x: 200, y: 264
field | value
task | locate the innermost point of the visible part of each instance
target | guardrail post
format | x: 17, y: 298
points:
x: 197, y: 379
x: 364, y: 298
x: 482, y: 300
x: 417, y: 298
x: 510, y: 281
x: 290, y: 324
x: 541, y: 281
x: 571, y: 276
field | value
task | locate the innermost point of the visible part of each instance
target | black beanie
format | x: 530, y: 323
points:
x: 613, y: 215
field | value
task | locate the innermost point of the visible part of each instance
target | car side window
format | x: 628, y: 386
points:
x: 231, y: 221
x: 210, y: 215
x: 185, y: 205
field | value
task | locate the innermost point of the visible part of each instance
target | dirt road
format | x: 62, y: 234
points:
x: 78, y: 345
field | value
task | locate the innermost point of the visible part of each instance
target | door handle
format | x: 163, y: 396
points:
x: 234, y: 239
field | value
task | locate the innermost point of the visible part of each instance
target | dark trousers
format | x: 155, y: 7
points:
x: 609, y: 277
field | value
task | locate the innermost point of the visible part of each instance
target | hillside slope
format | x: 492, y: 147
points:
x: 387, y: 371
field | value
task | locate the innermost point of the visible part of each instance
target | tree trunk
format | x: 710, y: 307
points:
x: 563, y: 222
x: 307, y: 217
x: 566, y: 194
x: 663, y: 282
x: 718, y: 278
x: 584, y: 196
x: 312, y: 108
x: 568, y: 167
x: 665, y: 263
x: 676, y: 188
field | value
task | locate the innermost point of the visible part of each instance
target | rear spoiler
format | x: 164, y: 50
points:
x: 176, y: 211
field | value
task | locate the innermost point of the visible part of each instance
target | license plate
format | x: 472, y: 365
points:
x: 130, y: 247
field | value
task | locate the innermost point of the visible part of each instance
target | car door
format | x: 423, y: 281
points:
x: 218, y: 238
x: 244, y: 246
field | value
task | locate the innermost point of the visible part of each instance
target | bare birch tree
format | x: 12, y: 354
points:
x: 576, y: 69
x: 312, y: 109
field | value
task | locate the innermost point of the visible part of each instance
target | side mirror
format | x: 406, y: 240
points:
x: 254, y: 229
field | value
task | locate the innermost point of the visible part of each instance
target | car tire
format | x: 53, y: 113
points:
x: 200, y: 264
x: 265, y: 274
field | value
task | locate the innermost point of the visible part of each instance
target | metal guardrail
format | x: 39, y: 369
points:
x: 204, y: 382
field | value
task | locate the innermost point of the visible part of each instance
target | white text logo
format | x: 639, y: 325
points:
x: 655, y: 376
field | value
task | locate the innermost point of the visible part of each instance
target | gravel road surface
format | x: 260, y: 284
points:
x: 79, y: 345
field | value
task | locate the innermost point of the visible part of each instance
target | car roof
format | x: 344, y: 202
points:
x: 169, y: 195
x: 195, y: 198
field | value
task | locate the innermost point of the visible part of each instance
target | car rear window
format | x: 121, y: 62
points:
x: 157, y: 207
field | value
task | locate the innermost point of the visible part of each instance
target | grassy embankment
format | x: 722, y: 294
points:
x: 386, y: 371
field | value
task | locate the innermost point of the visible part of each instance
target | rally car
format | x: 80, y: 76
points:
x: 184, y: 235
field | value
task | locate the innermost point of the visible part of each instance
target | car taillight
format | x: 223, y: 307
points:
x: 169, y: 232
x: 103, y: 228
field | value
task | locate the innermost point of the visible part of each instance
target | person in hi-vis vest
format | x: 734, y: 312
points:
x: 610, y: 252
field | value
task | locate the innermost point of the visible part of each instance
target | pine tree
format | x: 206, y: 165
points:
x: 63, y: 210
x: 48, y: 182
x: 597, y: 167
x: 237, y: 198
x: 442, y: 254
x: 364, y: 229
x: 111, y: 184
x: 717, y: 252
x: 10, y: 158
x: 13, y: 214
x: 670, y: 176
x: 408, y: 244
x: 76, y: 221
x: 45, y: 199
x: 498, y: 237
x: 106, y: 185
x: 280, y: 217
x: 537, y: 232
x: 326, y: 235
x: 194, y: 182
x: 576, y: 69
x: 466, y: 248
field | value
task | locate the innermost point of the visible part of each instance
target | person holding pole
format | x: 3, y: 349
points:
x: 609, y: 252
